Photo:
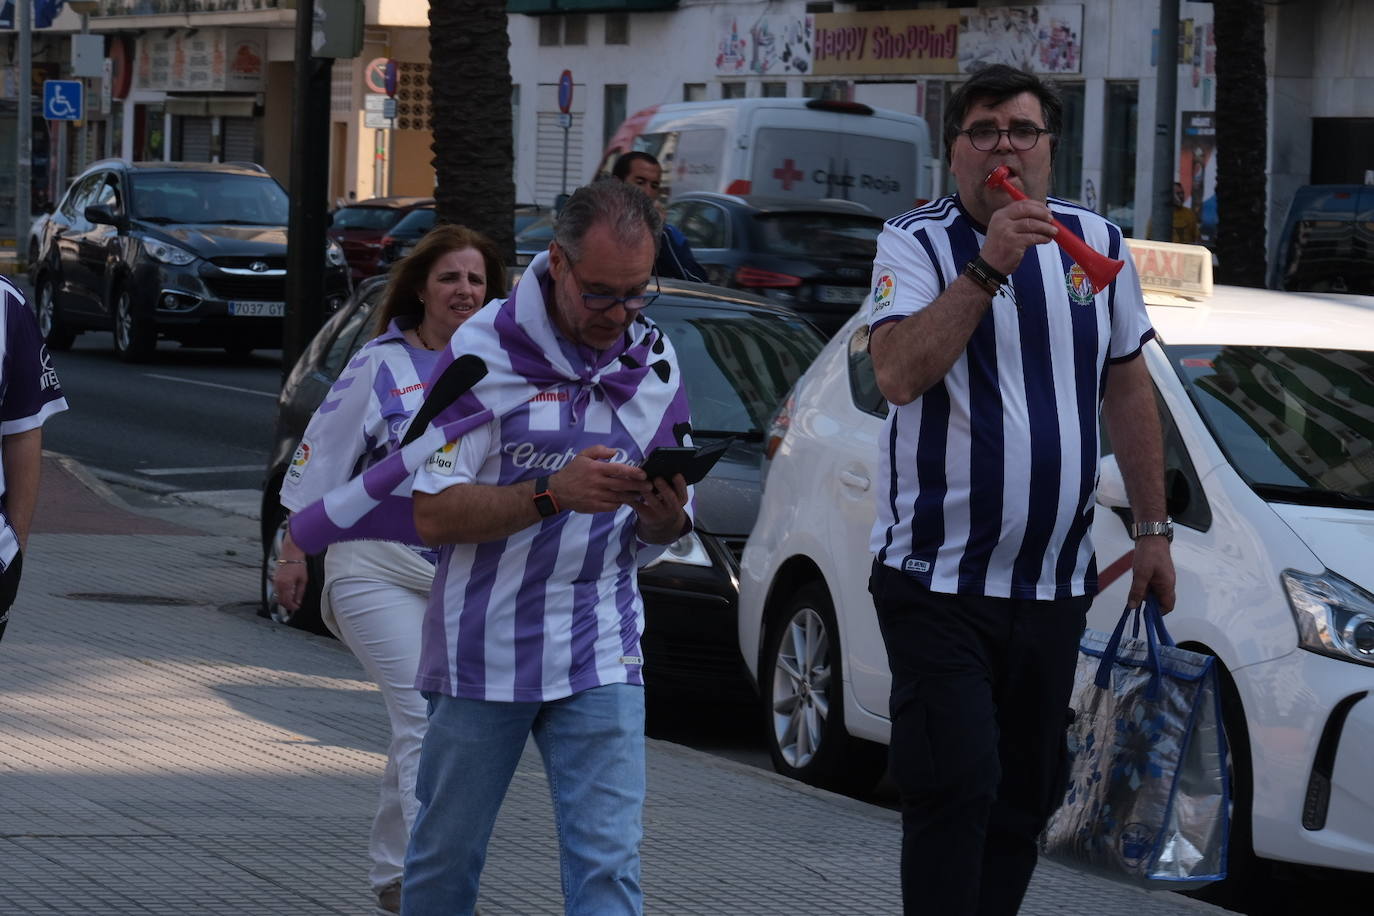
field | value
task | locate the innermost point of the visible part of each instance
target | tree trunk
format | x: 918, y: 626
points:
x: 1242, y: 133
x: 470, y: 117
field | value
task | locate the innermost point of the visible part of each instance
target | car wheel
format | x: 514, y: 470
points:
x: 307, y: 616
x: 55, y: 332
x: 135, y: 338
x: 803, y: 697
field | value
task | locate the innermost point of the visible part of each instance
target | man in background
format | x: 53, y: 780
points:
x: 675, y: 259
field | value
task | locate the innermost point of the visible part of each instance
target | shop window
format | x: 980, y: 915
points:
x: 693, y: 92
x: 1068, y: 155
x: 614, y: 111
x: 732, y: 90
x: 617, y: 29
x: 1118, y: 156
x: 775, y: 90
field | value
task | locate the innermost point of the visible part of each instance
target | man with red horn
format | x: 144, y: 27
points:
x: 997, y: 357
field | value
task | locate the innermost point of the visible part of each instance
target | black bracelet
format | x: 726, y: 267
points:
x: 979, y: 272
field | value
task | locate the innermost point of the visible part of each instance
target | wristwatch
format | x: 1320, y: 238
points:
x: 1142, y: 529
x: 543, y: 499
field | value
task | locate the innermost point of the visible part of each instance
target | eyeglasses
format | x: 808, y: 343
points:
x: 1022, y: 138
x: 602, y: 302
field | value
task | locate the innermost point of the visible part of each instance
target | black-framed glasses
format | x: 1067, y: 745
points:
x: 1022, y: 137
x: 601, y: 302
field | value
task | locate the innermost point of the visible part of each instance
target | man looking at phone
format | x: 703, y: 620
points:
x: 997, y: 356
x: 543, y: 514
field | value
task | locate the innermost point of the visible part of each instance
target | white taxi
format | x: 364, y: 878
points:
x: 1267, y: 402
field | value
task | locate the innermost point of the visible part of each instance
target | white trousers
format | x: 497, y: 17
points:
x: 375, y: 595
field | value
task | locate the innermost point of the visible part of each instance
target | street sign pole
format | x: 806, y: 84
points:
x: 23, y: 173
x: 565, y: 92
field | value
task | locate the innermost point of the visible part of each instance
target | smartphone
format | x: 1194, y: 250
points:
x: 692, y: 463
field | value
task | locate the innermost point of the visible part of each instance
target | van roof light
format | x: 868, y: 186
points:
x: 1167, y: 267
x: 858, y: 108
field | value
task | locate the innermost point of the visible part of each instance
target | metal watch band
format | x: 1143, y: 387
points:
x: 1144, y: 529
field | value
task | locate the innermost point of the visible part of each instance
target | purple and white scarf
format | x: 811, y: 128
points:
x: 510, y: 347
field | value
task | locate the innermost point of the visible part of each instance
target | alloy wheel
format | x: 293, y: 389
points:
x: 801, y: 683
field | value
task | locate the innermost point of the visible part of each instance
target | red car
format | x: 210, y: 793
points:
x: 359, y: 229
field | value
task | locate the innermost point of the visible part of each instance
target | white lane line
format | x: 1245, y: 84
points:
x: 191, y: 381
x: 223, y: 469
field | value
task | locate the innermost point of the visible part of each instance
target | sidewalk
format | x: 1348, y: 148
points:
x: 165, y: 750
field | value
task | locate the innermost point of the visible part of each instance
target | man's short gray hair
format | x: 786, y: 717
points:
x: 622, y: 208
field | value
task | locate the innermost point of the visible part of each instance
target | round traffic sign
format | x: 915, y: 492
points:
x: 374, y: 77
x: 565, y: 87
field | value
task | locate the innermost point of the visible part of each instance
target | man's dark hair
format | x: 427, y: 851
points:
x: 621, y: 169
x: 622, y: 208
x: 994, y: 85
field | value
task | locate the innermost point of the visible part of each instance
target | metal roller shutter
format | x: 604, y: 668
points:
x: 240, y: 137
x: 195, y: 139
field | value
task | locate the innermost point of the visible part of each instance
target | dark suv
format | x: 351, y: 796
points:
x: 192, y: 251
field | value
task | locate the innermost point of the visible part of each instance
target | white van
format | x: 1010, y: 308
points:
x: 810, y: 148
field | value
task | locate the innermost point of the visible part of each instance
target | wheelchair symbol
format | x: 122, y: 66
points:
x: 60, y: 106
x: 62, y: 101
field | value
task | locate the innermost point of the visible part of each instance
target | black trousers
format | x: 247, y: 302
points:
x: 9, y: 587
x: 980, y: 694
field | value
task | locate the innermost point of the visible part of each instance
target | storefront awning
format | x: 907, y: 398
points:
x: 537, y: 7
x: 201, y: 106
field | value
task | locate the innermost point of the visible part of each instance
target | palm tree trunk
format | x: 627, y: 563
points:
x: 1242, y: 138
x: 470, y: 117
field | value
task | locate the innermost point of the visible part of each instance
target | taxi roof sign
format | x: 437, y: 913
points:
x: 1168, y: 267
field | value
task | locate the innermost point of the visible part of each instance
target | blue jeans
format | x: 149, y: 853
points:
x: 593, y: 748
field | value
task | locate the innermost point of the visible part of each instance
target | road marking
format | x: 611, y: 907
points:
x: 191, y: 381
x: 223, y: 469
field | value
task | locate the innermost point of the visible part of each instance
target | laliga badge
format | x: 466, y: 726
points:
x: 884, y: 288
x: 1080, y: 287
x: 298, y: 462
x: 444, y: 461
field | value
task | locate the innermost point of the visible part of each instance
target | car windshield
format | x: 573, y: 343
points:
x: 813, y: 235
x: 737, y: 366
x: 1297, y: 423
x: 416, y: 222
x: 208, y: 197
x: 536, y: 236
x: 377, y: 219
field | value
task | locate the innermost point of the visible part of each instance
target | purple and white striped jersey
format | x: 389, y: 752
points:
x: 29, y: 390
x: 989, y: 478
x: 553, y: 609
x: 361, y: 419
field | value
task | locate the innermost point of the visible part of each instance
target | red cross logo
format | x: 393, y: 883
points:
x: 788, y: 174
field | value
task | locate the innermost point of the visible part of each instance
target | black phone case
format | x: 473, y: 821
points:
x: 692, y: 464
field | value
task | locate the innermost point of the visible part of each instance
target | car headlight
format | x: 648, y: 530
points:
x: 333, y: 254
x: 687, y: 550
x: 168, y: 254
x: 1335, y: 616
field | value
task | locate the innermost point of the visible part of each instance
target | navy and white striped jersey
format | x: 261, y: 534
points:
x: 29, y: 390
x: 987, y: 481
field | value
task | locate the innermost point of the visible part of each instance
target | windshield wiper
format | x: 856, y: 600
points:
x: 1312, y: 496
x: 160, y: 220
x: 750, y: 435
x: 237, y: 222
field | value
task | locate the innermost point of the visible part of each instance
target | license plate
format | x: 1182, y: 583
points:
x: 842, y: 295
x: 258, y: 309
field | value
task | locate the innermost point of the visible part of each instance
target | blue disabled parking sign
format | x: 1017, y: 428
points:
x: 62, y: 100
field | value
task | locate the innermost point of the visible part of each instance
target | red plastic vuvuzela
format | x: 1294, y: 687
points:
x: 1101, y: 270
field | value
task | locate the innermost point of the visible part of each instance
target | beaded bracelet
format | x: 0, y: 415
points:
x: 280, y: 562
x: 981, y: 273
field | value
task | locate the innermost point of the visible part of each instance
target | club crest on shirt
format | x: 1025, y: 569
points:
x: 444, y: 461
x: 884, y: 288
x: 1080, y: 287
x: 298, y: 462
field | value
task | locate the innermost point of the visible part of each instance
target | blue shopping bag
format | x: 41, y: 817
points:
x: 1148, y: 801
